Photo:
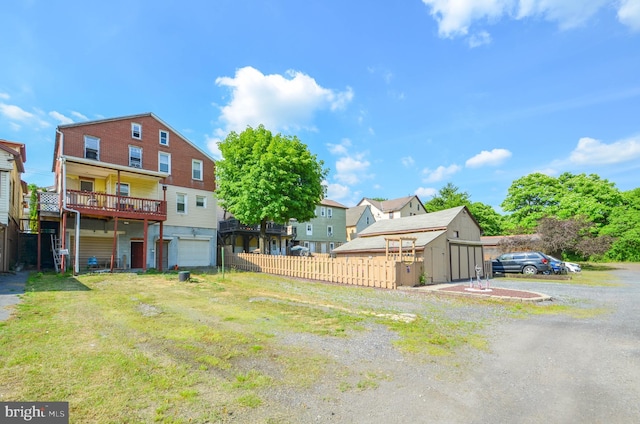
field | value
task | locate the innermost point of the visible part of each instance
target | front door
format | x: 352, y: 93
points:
x: 137, y: 250
x: 165, y: 255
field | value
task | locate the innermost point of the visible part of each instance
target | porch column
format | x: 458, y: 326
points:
x: 115, y: 240
x: 144, y: 245
x: 160, y: 248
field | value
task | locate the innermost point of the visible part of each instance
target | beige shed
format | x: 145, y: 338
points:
x: 447, y: 241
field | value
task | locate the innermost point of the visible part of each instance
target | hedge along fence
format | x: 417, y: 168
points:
x: 369, y: 272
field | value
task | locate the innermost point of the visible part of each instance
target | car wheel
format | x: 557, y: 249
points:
x: 529, y: 269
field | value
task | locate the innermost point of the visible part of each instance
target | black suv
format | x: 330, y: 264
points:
x: 522, y: 262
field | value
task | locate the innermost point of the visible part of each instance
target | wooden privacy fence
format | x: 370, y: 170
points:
x: 369, y: 272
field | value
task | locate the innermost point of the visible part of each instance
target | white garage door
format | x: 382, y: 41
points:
x: 193, y: 253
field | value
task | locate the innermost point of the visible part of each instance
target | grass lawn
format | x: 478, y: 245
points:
x: 128, y: 348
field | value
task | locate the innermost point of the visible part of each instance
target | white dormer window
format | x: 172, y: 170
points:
x: 455, y: 234
x: 136, y: 131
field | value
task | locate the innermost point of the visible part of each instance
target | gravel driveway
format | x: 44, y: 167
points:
x: 539, y: 369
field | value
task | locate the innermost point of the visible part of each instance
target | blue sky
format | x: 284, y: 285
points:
x: 396, y: 97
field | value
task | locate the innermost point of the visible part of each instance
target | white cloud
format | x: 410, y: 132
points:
x: 339, y: 149
x: 352, y: 169
x: 479, y: 39
x: 439, y: 173
x: 338, y: 192
x: 593, y: 152
x: 4, y: 96
x: 485, y: 158
x: 456, y: 17
x: 64, y: 120
x: 79, y: 116
x: 15, y: 113
x: 276, y: 101
x: 425, y: 192
x: 547, y: 171
x: 629, y: 14
x: 408, y: 161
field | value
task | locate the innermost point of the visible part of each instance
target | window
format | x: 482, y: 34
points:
x: 332, y: 246
x: 455, y: 235
x: 201, y: 202
x: 309, y: 229
x: 323, y: 211
x: 181, y: 203
x: 91, y: 147
x: 196, y: 169
x: 329, y: 213
x: 306, y: 244
x: 135, y: 157
x: 164, y: 162
x: 86, y: 185
x: 367, y: 220
x: 330, y: 231
x: 122, y: 189
x: 164, y: 137
x: 136, y: 131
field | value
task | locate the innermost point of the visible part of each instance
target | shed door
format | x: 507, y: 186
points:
x: 193, y: 252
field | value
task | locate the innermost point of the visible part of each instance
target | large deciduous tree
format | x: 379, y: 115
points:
x: 264, y: 177
x: 529, y: 199
x: 624, y: 226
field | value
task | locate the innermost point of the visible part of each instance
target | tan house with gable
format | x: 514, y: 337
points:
x: 394, y: 208
x: 448, y: 243
x: 12, y: 189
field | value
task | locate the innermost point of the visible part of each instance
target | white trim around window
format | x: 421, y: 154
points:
x: 135, y: 157
x: 181, y: 203
x: 91, y: 147
x: 164, y: 162
x: 196, y: 169
x: 163, y: 137
x: 201, y: 202
x: 309, y: 229
x: 136, y: 131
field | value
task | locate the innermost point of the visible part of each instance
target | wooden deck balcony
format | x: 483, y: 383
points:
x: 233, y: 225
x: 111, y: 206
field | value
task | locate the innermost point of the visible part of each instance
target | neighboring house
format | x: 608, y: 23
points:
x: 395, y: 208
x: 358, y: 218
x: 12, y: 189
x: 326, y: 231
x: 447, y: 241
x: 246, y: 238
x: 134, y: 193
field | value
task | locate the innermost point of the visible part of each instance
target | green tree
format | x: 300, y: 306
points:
x: 529, y: 199
x: 448, y: 197
x: 490, y: 221
x: 33, y: 207
x: 264, y: 178
x: 588, y: 196
x: 624, y: 227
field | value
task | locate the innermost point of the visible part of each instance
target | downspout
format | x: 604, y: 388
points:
x: 76, y: 264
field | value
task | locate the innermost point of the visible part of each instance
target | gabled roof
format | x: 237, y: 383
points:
x: 391, y: 205
x: 428, y: 222
x: 354, y: 214
x: 332, y: 203
x: 18, y: 150
x: 378, y: 243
